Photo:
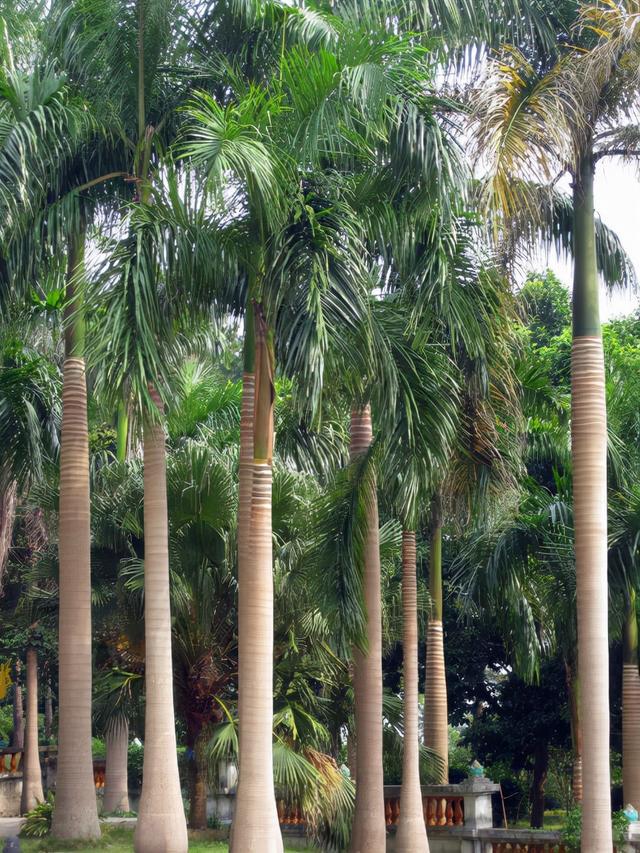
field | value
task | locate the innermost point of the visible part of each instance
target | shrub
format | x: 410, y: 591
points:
x: 135, y: 759
x: 98, y: 748
x: 620, y: 825
x: 573, y: 829
x: 37, y: 822
x: 6, y: 723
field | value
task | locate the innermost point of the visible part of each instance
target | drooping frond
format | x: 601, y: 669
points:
x: 553, y: 227
x: 523, y: 125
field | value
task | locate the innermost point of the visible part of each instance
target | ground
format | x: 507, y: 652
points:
x: 121, y: 841
x: 552, y: 820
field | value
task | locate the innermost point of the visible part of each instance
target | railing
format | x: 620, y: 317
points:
x: 99, y: 772
x: 443, y: 811
x: 521, y: 841
x: 289, y: 814
x: 508, y: 847
x: 10, y: 760
x: 437, y: 811
x: 51, y: 757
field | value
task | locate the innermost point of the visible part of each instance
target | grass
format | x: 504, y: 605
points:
x: 119, y: 840
x: 553, y: 820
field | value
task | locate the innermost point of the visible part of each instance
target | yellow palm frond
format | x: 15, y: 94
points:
x: 5, y: 679
x: 524, y: 125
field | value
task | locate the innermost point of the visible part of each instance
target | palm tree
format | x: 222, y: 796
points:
x: 32, y: 792
x: 538, y: 116
x: 630, y: 695
x: 119, y: 57
x: 29, y: 418
x: 369, y: 830
x: 161, y: 798
x: 17, y: 735
x: 436, y: 717
x: 624, y: 566
x: 75, y: 814
x: 47, y: 129
x: 302, y: 272
x: 116, y: 784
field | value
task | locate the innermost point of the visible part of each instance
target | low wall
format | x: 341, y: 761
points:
x: 10, y: 794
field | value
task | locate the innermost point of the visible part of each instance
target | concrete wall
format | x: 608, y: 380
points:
x: 437, y: 843
x: 10, y: 794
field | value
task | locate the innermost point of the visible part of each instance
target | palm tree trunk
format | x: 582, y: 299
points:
x: 589, y: 459
x: 255, y: 824
x: 411, y: 836
x: 198, y: 791
x: 573, y: 692
x: 161, y: 826
x: 245, y: 487
x: 76, y: 812
x: 17, y: 735
x: 48, y: 712
x: 32, y: 792
x: 436, y: 721
x: 540, y: 770
x: 631, y: 707
x: 122, y: 432
x: 369, y: 828
x: 8, y: 502
x: 116, y: 777
x: 351, y: 748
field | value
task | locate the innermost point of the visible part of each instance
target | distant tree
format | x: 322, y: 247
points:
x: 517, y: 707
x: 548, y: 308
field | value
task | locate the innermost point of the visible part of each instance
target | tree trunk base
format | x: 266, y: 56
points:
x: 411, y: 836
x: 249, y: 835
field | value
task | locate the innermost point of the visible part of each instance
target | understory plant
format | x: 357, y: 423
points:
x: 573, y: 829
x: 37, y: 822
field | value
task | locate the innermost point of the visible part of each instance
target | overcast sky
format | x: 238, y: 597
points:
x: 617, y: 198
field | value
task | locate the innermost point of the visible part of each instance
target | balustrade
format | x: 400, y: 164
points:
x: 10, y: 760
x: 99, y: 773
x: 437, y: 811
x: 289, y: 814
x: 515, y: 847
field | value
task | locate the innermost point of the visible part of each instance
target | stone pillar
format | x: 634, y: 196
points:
x: 633, y: 838
x: 477, y: 793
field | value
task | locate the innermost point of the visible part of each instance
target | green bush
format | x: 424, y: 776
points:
x: 37, y: 822
x: 573, y: 829
x: 620, y: 825
x: 135, y: 759
x: 392, y: 764
x: 460, y: 756
x: 6, y: 723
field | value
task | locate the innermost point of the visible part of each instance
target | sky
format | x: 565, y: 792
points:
x: 617, y: 200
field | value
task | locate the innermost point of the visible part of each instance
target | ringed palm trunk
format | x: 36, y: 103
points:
x: 116, y: 777
x: 631, y: 707
x: 589, y: 461
x: 436, y: 723
x: 255, y: 824
x: 161, y: 826
x: 369, y: 828
x: 32, y: 792
x: 411, y: 836
x: 17, y: 735
x: 573, y: 691
x: 48, y: 712
x: 76, y: 812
